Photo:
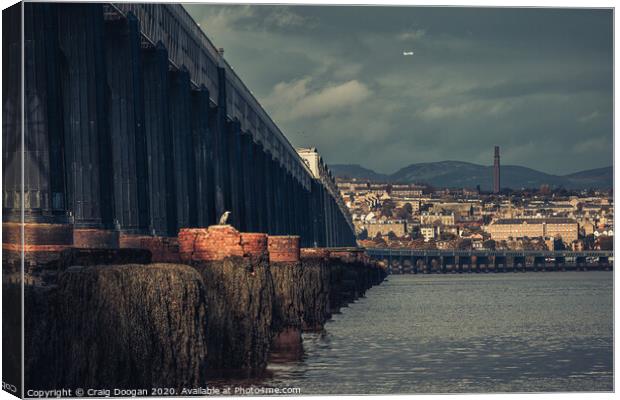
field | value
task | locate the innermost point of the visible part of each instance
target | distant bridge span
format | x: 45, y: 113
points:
x: 444, y: 261
x: 379, y: 252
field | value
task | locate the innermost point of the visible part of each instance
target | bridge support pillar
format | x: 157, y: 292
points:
x: 483, y: 262
x: 260, y: 189
x: 87, y: 138
x: 160, y: 163
x: 297, y: 209
x: 179, y: 104
x: 288, y: 198
x: 46, y: 230
x: 604, y: 263
x: 539, y: 263
x: 203, y: 155
x: 560, y: 263
x: 500, y: 263
x: 249, y: 180
x: 474, y: 267
x: 519, y: 263
x: 293, y: 204
x: 448, y: 264
x: 270, y: 187
x: 280, y: 200
x: 580, y: 263
x: 465, y: 263
x: 126, y: 124
x: 235, y: 166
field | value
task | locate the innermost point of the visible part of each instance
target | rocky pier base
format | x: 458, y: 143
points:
x: 240, y: 296
x: 287, y: 275
x: 317, y: 288
x: 227, y: 303
x: 117, y: 326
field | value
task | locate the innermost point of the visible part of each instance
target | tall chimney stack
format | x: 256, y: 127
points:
x: 496, y: 181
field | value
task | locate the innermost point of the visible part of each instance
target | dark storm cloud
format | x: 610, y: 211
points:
x: 557, y: 86
x: 537, y: 82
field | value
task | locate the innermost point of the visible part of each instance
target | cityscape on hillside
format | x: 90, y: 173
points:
x: 416, y: 215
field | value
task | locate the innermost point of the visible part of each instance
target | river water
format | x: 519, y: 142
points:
x: 509, y: 332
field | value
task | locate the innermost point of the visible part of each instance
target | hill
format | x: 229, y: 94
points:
x: 455, y: 174
x: 356, y: 171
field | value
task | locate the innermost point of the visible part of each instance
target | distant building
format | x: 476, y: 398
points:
x: 321, y: 172
x: 406, y: 190
x: 604, y: 232
x: 372, y: 228
x: 431, y: 218
x: 578, y: 245
x: 587, y: 227
x: 430, y: 231
x: 415, y: 204
x: 504, y: 229
x: 496, y: 181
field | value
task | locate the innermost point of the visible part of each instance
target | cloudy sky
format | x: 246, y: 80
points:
x: 537, y: 82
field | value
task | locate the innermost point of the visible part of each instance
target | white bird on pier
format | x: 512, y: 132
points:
x: 224, y: 218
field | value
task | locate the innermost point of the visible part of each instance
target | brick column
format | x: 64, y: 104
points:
x: 254, y: 245
x: 163, y: 249
x: 209, y: 244
x: 314, y: 252
x: 283, y: 248
x: 42, y: 242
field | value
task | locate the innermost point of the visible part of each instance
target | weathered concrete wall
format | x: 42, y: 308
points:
x: 117, y: 326
x: 331, y: 281
x: 316, y: 293
x: 288, y: 294
x: 287, y: 309
x: 240, y: 295
x: 336, y: 296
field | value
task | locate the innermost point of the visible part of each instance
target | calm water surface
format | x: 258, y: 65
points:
x: 464, y: 333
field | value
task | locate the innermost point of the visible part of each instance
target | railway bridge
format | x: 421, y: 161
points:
x: 135, y: 125
x: 400, y: 261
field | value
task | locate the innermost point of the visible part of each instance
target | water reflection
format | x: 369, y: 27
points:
x: 463, y: 333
